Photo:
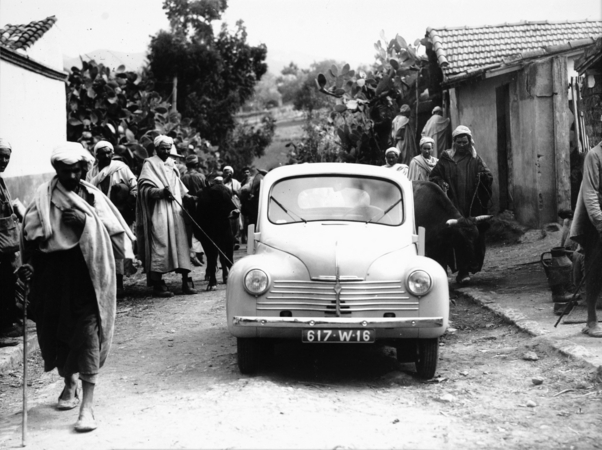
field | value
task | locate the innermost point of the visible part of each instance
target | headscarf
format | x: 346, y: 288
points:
x: 162, y: 139
x: 70, y: 153
x: 457, y: 132
x: 461, y: 130
x: 437, y: 109
x: 394, y: 150
x: 5, y: 144
x: 103, y: 144
x: 404, y: 110
x: 228, y: 168
x: 426, y: 140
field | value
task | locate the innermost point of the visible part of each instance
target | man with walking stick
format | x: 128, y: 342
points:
x: 71, y: 236
x: 586, y: 230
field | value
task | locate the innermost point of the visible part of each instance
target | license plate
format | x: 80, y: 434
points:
x: 352, y: 336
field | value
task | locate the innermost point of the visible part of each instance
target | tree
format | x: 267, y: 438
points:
x: 367, y: 102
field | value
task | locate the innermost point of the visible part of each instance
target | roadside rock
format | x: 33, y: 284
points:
x: 537, y: 380
x: 530, y: 356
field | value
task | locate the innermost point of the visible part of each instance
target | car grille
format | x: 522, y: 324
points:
x: 356, y: 296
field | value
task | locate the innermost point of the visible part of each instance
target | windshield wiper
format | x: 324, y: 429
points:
x: 386, y: 211
x: 286, y: 211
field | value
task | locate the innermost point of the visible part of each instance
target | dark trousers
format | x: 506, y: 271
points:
x: 8, y: 309
x: 224, y: 240
x: 593, y: 267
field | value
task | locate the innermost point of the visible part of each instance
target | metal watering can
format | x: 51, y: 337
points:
x: 559, y: 270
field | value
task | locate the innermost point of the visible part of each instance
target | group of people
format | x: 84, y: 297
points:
x: 459, y: 171
x: 72, y: 247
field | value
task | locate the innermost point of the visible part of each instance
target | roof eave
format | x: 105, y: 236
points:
x: 13, y: 57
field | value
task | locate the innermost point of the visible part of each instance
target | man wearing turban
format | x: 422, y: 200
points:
x: 160, y: 227
x: 437, y: 128
x: 421, y: 165
x: 71, y: 236
x: 116, y: 181
x: 391, y: 158
x: 463, y: 174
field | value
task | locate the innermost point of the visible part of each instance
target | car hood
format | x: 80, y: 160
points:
x: 353, y: 249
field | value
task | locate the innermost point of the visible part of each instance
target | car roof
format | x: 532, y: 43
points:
x: 334, y: 169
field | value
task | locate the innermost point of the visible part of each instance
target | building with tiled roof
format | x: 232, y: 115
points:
x: 464, y: 50
x: 32, y: 110
x: 21, y: 37
x: 515, y: 87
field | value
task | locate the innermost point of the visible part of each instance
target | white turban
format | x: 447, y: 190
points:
x: 461, y: 130
x: 5, y: 144
x: 228, y: 168
x: 70, y: 153
x: 394, y: 150
x: 103, y: 144
x: 426, y: 140
x: 162, y: 139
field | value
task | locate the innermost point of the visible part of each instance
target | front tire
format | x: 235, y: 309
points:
x: 248, y: 353
x: 428, y: 355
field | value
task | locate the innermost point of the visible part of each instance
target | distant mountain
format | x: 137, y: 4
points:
x: 278, y: 59
x: 112, y: 59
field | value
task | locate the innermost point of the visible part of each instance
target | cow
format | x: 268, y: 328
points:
x: 450, y: 239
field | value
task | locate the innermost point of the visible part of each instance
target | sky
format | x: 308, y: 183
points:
x: 302, y: 31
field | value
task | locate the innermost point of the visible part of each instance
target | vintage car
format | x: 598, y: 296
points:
x: 335, y: 258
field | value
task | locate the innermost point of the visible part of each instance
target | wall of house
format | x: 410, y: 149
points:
x: 33, y: 120
x: 476, y: 109
x: 539, y: 144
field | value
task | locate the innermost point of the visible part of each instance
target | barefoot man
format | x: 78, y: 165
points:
x: 72, y: 234
x: 586, y: 230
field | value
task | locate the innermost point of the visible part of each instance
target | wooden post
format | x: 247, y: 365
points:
x: 174, y: 94
x: 561, y: 133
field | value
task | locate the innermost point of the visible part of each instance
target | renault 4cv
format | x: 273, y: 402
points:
x: 335, y: 257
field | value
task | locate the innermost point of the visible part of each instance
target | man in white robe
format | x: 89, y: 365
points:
x: 421, y: 165
x: 71, y: 236
x: 116, y: 181
x: 160, y: 227
x: 438, y: 129
x: 391, y: 158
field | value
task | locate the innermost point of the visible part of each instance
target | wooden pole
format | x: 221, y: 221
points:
x: 24, y: 421
x: 174, y: 94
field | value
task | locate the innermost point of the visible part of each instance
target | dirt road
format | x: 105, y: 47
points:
x: 172, y: 382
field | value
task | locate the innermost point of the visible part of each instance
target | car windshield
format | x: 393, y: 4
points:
x: 335, y: 198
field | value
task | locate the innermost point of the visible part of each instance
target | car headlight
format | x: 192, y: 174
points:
x: 256, y: 282
x: 419, y: 283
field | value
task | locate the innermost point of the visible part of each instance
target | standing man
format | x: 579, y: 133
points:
x: 163, y: 242
x: 421, y: 165
x: 195, y: 182
x: 9, y: 252
x: 586, y: 231
x: 72, y: 235
x: 463, y: 174
x: 437, y: 128
x: 403, y: 133
x: 116, y: 181
x: 391, y: 158
x: 234, y: 187
x: 214, y: 210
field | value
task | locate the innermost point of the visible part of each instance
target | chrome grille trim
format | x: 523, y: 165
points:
x: 356, y: 296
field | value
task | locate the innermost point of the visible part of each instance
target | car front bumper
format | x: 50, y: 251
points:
x: 339, y: 322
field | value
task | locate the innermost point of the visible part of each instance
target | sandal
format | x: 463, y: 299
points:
x: 593, y: 332
x: 65, y: 405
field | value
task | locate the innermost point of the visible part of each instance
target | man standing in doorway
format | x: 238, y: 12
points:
x: 163, y: 242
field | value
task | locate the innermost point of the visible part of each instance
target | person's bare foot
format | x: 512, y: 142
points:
x: 593, y: 330
x: 69, y: 397
x: 86, y: 421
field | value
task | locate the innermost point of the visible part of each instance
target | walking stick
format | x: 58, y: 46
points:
x: 24, y: 422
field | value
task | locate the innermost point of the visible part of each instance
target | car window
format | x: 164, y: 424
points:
x: 338, y: 198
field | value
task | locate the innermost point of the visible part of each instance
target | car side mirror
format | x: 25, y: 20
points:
x: 251, y: 239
